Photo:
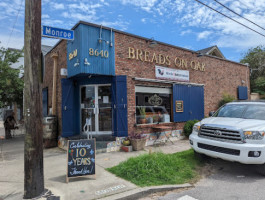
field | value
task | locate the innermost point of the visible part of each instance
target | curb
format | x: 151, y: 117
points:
x: 142, y: 192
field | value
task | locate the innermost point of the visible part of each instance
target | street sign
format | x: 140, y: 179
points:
x: 58, y: 33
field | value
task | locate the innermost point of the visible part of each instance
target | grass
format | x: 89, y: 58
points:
x: 159, y: 169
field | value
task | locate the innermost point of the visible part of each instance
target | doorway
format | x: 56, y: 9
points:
x: 96, y: 111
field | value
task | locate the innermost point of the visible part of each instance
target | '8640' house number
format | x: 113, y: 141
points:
x: 96, y: 52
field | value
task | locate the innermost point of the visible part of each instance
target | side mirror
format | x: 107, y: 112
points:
x: 211, y: 113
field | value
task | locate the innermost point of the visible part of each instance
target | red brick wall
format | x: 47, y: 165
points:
x: 48, y: 78
x: 220, y: 76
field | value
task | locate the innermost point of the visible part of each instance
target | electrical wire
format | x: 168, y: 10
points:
x: 21, y: 1
x: 239, y: 14
x: 230, y: 18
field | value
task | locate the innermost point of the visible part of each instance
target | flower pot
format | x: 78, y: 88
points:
x: 142, y: 121
x: 149, y: 120
x: 138, y: 144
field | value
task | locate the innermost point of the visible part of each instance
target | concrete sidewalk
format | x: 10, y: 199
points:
x: 106, y: 185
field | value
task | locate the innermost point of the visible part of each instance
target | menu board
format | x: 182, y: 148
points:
x: 80, y: 158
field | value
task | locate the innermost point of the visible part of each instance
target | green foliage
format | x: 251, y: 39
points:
x: 187, y: 129
x: 159, y: 168
x: 11, y: 86
x: 255, y: 57
x: 259, y: 85
x: 226, y: 99
x: 142, y: 112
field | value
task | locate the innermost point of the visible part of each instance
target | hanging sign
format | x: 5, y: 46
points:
x: 172, y: 74
x: 80, y: 158
x: 179, y: 106
x: 58, y: 33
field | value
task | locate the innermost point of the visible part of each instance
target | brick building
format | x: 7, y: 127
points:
x: 119, y: 83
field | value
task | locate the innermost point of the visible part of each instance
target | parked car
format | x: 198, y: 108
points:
x: 234, y: 133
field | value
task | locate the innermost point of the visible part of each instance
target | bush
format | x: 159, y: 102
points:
x: 188, y: 127
x: 226, y: 99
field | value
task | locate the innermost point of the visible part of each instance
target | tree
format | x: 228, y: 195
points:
x: 11, y: 85
x: 255, y: 57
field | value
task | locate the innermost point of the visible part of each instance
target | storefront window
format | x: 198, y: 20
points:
x: 152, y: 108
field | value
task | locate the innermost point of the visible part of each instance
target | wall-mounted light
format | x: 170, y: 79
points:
x: 200, y: 55
x: 100, y: 39
x: 152, y: 42
x: 86, y: 62
x: 77, y: 63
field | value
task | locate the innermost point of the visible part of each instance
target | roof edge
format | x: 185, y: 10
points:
x: 144, y: 38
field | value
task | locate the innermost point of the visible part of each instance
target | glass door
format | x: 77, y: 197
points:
x: 105, y: 112
x: 88, y: 107
x: 96, y: 112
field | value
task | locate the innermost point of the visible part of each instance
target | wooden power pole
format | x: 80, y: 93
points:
x: 33, y: 152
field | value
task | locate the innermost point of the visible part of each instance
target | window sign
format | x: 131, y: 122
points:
x: 155, y: 100
x: 172, y: 74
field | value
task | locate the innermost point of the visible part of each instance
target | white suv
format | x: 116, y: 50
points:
x: 235, y: 133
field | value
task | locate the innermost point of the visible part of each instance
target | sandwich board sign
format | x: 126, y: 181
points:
x: 58, y: 33
x: 80, y: 158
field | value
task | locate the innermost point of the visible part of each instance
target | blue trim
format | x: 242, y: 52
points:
x: 119, y: 106
x: 242, y: 92
x: 45, y: 102
x: 102, y: 57
x: 193, y: 102
x: 68, y: 108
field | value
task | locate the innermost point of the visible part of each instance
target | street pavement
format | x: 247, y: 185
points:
x: 226, y: 181
x: 104, y: 186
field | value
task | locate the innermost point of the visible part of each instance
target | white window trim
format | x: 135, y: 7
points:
x: 143, y: 89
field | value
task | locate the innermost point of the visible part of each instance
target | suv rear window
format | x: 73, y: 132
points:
x: 245, y: 111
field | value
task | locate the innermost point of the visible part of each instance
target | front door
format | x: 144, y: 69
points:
x: 96, y: 112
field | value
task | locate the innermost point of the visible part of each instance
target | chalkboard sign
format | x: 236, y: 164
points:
x: 80, y: 158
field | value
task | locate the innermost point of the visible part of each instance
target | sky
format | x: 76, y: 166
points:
x: 183, y: 23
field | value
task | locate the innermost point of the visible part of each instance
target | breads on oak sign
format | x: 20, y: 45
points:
x: 162, y: 59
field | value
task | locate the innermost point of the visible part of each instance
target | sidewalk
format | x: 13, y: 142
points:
x: 105, y: 185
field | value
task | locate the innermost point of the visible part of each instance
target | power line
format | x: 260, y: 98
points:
x: 14, y: 23
x: 230, y: 18
x: 239, y: 14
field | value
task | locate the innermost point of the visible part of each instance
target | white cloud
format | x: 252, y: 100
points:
x: 45, y: 16
x: 182, y: 33
x: 204, y: 35
x: 191, y: 14
x: 146, y: 5
x: 57, y: 6
x: 52, y: 22
x: 15, y: 41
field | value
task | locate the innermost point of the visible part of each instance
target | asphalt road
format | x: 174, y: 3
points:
x: 228, y: 181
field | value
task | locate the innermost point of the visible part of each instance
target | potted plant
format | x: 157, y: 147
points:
x: 155, y: 118
x: 137, y: 141
x: 142, y: 112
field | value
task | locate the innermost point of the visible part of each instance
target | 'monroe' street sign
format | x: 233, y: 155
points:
x: 80, y: 158
x: 58, y: 33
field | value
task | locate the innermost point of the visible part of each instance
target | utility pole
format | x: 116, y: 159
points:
x: 33, y: 152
